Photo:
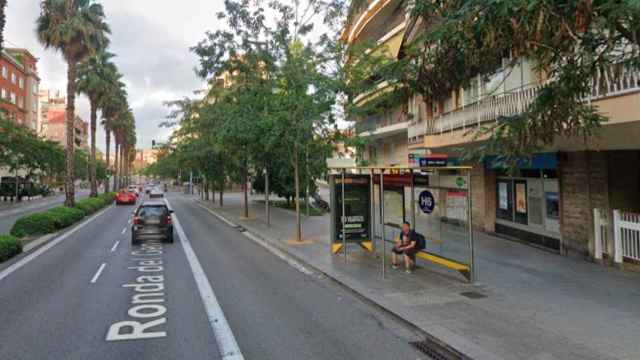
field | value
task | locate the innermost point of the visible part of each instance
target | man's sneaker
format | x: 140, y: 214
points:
x: 394, y: 266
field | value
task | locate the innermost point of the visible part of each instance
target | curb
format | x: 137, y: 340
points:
x: 364, y: 298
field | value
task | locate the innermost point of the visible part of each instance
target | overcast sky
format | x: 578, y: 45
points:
x: 151, y: 39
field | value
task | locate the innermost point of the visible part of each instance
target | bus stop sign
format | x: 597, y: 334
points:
x: 427, y: 202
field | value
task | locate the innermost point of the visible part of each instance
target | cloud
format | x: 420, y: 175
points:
x: 151, y: 40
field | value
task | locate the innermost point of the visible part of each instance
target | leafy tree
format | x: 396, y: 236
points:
x: 3, y: 21
x: 76, y: 28
x: 567, y: 40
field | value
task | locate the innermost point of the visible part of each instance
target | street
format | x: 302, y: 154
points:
x: 94, y: 296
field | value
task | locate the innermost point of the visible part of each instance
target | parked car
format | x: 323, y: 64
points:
x: 156, y: 192
x: 126, y: 197
x: 152, y: 220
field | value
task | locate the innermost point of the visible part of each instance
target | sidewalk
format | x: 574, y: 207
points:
x: 538, y: 305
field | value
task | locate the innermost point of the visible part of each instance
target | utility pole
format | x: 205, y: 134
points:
x: 191, y: 183
x: 308, y: 177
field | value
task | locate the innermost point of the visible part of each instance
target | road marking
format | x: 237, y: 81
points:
x: 124, y: 230
x: 25, y: 260
x: 271, y: 248
x: 115, y: 246
x: 227, y: 344
x: 129, y: 222
x: 97, y: 275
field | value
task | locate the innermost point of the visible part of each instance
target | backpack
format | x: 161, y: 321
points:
x: 421, y: 242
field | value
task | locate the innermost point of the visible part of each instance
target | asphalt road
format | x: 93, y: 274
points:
x: 151, y: 301
x: 9, y: 216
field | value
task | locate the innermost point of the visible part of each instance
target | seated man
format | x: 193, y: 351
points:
x: 406, y: 246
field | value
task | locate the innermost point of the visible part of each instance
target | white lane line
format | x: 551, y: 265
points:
x: 25, y: 260
x: 129, y: 221
x: 97, y: 275
x: 115, y: 246
x: 271, y: 248
x: 227, y: 344
x: 124, y: 230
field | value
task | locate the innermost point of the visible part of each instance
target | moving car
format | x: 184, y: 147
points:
x: 156, y: 192
x: 126, y: 197
x: 152, y: 220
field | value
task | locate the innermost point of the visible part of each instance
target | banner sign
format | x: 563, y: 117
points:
x: 357, y: 197
x: 433, y: 162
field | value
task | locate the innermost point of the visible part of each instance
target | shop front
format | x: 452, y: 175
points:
x: 528, y: 201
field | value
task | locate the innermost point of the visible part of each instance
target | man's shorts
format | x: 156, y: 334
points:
x: 410, y: 253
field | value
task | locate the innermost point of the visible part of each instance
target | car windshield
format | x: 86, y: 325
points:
x: 147, y: 211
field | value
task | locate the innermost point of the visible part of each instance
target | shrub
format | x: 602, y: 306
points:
x: 36, y: 223
x: 65, y: 217
x: 90, y: 205
x: 10, y: 246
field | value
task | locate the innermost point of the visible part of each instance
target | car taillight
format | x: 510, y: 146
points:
x: 136, y: 220
x: 168, y: 219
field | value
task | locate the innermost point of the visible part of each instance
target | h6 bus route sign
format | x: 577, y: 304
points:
x: 427, y: 202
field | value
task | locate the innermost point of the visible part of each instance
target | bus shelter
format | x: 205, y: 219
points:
x: 369, y: 205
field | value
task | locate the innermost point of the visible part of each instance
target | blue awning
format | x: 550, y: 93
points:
x: 543, y: 161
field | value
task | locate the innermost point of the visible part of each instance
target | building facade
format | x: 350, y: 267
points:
x: 383, y: 24
x: 19, y: 86
x: 54, y: 128
x: 550, y: 201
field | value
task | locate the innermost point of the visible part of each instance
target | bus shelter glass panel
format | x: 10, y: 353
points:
x: 442, y: 215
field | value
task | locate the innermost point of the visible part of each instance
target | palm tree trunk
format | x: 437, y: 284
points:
x: 116, y: 168
x: 92, y: 159
x: 3, y: 21
x: 108, y: 153
x: 70, y: 200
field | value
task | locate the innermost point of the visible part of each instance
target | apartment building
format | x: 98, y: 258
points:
x: 381, y: 23
x: 19, y: 86
x: 551, y: 200
x: 54, y: 128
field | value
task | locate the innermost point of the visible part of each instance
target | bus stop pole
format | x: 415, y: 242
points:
x: 413, y: 202
x: 384, y: 241
x: 472, y: 269
x: 372, y: 209
x: 344, y: 221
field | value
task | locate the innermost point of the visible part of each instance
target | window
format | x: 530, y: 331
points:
x: 5, y: 72
x: 13, y: 78
x: 21, y: 81
x: 4, y: 93
x: 13, y: 98
x: 20, y: 101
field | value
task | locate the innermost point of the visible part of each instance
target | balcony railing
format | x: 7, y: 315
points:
x: 378, y: 123
x: 616, y: 80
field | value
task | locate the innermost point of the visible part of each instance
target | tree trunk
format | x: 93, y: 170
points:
x: 297, y: 195
x: 70, y: 196
x: 222, y: 193
x: 116, y: 167
x: 107, y: 152
x: 246, y: 190
x: 92, y: 158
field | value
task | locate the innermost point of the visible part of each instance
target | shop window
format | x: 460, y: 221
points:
x: 521, y: 209
x: 504, y: 193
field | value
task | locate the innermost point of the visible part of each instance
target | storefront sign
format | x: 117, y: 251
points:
x: 427, y: 202
x: 433, y: 161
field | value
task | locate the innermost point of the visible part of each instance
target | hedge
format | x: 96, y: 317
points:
x: 10, y: 246
x: 58, y: 218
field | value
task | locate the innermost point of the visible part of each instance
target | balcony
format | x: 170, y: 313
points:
x: 616, y: 80
x: 381, y: 125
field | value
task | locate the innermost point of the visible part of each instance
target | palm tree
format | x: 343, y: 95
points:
x: 96, y: 77
x: 112, y: 106
x: 3, y: 21
x: 76, y: 28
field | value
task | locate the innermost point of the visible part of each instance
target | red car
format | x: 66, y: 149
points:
x: 125, y: 197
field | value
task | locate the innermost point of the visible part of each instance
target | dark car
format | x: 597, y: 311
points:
x: 152, y: 220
